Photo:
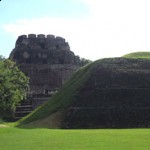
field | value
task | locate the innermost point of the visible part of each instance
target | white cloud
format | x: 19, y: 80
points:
x: 113, y: 28
x: 75, y: 31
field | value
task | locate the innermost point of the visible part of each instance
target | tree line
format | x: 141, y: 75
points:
x: 13, y: 86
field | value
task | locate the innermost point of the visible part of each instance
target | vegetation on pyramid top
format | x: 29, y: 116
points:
x: 144, y: 55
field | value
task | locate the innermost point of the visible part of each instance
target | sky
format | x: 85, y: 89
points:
x: 94, y: 28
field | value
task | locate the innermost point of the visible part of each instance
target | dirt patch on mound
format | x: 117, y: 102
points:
x: 52, y: 121
x: 3, y: 126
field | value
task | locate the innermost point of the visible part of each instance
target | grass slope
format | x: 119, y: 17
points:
x: 62, y: 99
x: 145, y: 55
x: 42, y: 139
x: 67, y: 95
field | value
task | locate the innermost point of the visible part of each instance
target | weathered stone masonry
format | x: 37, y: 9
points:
x: 47, y: 61
x: 42, y: 49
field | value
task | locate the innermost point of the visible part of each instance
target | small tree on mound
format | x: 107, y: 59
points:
x: 84, y: 61
x: 13, y: 86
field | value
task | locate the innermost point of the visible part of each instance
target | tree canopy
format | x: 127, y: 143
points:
x: 84, y: 61
x: 13, y: 86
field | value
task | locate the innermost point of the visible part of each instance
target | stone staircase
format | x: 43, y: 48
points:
x: 23, y: 109
x: 38, y: 101
x: 27, y: 106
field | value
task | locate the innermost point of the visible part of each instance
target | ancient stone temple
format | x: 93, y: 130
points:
x: 47, y: 61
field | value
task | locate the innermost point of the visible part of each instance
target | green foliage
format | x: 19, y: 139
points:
x: 43, y: 139
x: 1, y: 120
x: 84, y: 61
x: 13, y: 86
x: 1, y: 58
x: 144, y: 55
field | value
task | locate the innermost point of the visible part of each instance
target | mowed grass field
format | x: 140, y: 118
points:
x: 56, y: 139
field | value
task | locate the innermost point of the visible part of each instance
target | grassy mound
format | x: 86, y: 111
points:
x: 61, y: 100
x: 107, y: 93
x: 138, y: 55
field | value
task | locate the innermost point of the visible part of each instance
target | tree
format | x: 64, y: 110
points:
x: 13, y: 86
x: 84, y: 61
x: 1, y: 58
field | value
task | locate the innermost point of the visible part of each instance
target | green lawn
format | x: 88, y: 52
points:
x: 50, y: 139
